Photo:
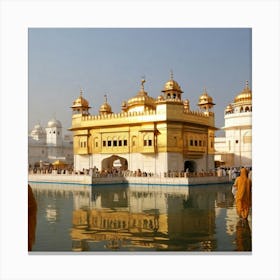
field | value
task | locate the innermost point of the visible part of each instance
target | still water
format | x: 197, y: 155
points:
x: 75, y: 218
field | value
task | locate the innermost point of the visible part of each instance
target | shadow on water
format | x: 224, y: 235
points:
x: 138, y: 218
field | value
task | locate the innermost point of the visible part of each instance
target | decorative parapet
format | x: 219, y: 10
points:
x: 204, y: 118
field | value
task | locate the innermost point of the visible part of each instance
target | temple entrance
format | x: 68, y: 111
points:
x: 190, y: 166
x: 114, y: 162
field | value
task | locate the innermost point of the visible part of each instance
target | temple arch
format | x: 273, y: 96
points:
x: 114, y: 162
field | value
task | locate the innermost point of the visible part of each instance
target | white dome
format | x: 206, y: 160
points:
x: 37, y: 130
x: 54, y: 123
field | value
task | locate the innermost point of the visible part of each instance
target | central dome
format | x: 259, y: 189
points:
x: 141, y: 100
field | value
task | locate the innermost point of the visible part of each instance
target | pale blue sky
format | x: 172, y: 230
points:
x: 113, y: 61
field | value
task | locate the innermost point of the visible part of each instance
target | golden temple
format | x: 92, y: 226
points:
x: 154, y: 135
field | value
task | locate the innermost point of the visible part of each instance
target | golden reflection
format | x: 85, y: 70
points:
x: 243, y: 236
x: 145, y: 218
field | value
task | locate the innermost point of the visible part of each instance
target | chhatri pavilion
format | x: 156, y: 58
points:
x: 155, y: 135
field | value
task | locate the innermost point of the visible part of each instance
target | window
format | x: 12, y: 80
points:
x: 115, y: 143
x: 195, y: 142
x: 150, y: 142
x: 104, y: 143
x: 96, y: 144
x: 200, y: 143
x: 120, y: 142
x: 145, y: 142
x: 236, y: 141
x: 109, y: 143
x: 191, y: 142
x: 125, y: 142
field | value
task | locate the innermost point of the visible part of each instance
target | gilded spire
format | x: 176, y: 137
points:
x: 81, y: 92
x: 247, y: 84
x: 142, y: 83
x: 105, y: 96
x: 171, y: 75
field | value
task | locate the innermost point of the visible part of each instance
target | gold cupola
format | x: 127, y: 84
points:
x: 171, y: 89
x: 205, y: 101
x: 141, y: 102
x: 105, y: 108
x: 245, y: 95
x: 80, y: 105
x: 186, y: 105
x: 229, y: 109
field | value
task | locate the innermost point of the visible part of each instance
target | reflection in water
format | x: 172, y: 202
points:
x: 243, y: 236
x: 138, y: 218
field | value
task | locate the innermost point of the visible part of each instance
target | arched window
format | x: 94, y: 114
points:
x: 148, y: 141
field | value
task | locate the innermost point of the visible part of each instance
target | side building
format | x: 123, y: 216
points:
x: 154, y: 135
x: 235, y: 148
x: 46, y: 145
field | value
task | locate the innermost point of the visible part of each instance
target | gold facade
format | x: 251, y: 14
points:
x: 146, y: 126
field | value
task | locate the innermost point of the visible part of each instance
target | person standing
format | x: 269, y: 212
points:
x: 243, y: 197
x: 32, y: 218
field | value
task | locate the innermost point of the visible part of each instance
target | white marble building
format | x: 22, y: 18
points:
x: 235, y: 148
x: 48, y: 144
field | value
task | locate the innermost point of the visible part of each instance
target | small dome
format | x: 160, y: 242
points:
x: 80, y: 102
x: 54, y: 123
x: 172, y: 85
x: 244, y: 95
x: 37, y: 130
x: 229, y: 108
x: 105, y: 108
x: 187, y: 104
x: 160, y: 97
x: 205, y: 98
x: 37, y: 127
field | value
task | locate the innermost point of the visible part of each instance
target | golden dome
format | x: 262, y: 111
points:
x: 205, y: 98
x: 172, y: 85
x: 105, y: 108
x: 244, y: 95
x: 142, y: 98
x: 80, y: 102
x: 229, y: 108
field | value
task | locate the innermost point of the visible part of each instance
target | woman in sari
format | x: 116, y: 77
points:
x: 243, y: 198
